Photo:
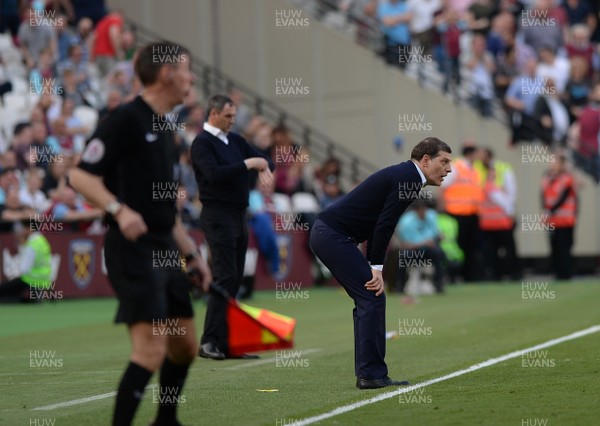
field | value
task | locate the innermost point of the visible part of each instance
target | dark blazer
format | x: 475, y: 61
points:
x: 370, y: 212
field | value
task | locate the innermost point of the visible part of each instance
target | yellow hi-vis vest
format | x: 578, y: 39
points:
x: 41, y: 272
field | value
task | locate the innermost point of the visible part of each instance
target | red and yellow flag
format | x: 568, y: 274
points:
x: 255, y: 329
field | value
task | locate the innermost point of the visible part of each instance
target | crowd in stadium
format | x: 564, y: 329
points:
x: 74, y: 59
x: 71, y: 64
x: 537, y: 60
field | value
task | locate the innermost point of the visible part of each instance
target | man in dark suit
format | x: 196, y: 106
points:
x: 370, y: 213
x: 223, y: 162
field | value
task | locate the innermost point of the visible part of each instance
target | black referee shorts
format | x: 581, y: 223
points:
x: 145, y: 276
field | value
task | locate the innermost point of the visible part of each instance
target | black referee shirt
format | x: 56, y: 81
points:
x: 138, y: 160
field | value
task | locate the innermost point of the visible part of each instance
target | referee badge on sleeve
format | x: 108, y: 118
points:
x: 94, y: 151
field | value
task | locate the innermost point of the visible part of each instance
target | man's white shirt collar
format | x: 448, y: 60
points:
x: 216, y: 132
x: 423, y: 179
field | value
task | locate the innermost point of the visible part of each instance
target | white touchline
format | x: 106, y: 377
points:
x: 80, y: 401
x: 388, y: 395
x: 75, y: 402
x: 111, y: 394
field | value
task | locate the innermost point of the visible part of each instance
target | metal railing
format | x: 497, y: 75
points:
x: 320, y: 146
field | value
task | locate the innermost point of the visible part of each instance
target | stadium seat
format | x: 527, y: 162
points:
x: 20, y: 86
x: 88, y: 117
x: 304, y: 202
x: 282, y: 203
x: 15, y: 102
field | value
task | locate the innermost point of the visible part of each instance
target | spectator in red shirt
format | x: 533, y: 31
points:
x: 286, y: 155
x: 107, y: 44
x: 584, y: 136
x: 579, y: 45
x: 450, y: 28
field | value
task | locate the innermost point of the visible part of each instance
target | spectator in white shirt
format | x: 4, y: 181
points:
x: 553, y: 67
x: 31, y: 195
x: 422, y: 23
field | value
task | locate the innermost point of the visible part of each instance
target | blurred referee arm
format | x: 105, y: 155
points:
x: 92, y: 187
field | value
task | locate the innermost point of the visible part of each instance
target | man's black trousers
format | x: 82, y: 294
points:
x: 226, y: 233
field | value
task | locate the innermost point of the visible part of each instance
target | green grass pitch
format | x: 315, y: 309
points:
x: 84, y: 355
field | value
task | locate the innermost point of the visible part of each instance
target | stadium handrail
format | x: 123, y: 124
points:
x: 321, y: 146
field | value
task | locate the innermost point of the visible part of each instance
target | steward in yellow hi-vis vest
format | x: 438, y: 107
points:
x: 496, y: 216
x: 462, y: 196
x: 559, y: 201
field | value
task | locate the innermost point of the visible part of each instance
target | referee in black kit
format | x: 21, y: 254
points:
x: 119, y: 169
x: 370, y: 212
x: 222, y: 161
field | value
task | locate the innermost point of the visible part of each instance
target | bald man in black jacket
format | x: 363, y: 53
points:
x: 370, y: 212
